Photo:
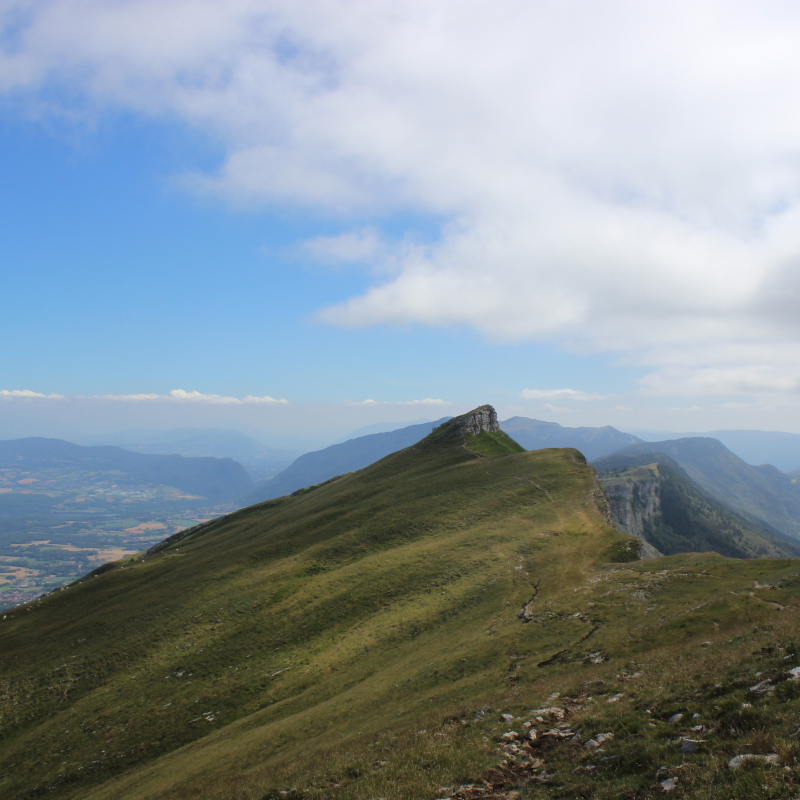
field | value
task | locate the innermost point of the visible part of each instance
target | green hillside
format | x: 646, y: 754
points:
x: 659, y: 503
x: 321, y: 465
x: 348, y: 641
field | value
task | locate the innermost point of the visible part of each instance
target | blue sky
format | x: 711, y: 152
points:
x: 429, y: 209
x: 125, y: 283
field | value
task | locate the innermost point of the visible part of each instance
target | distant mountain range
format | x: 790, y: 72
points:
x: 778, y: 448
x: 219, y: 480
x: 764, y: 495
x: 533, y: 434
x: 260, y: 460
x: 385, y: 427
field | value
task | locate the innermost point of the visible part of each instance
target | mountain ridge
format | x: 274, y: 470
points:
x: 221, y: 479
x: 445, y: 617
x: 534, y: 434
x: 320, y: 465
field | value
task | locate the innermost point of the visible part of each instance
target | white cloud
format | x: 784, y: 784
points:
x: 176, y: 395
x: 28, y: 393
x: 197, y: 397
x: 617, y: 176
x: 559, y: 394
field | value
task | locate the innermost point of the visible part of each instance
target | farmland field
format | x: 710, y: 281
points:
x: 58, y: 524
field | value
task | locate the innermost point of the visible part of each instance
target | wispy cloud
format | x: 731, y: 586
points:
x: 560, y: 394
x: 175, y: 396
x: 28, y: 393
x: 355, y: 247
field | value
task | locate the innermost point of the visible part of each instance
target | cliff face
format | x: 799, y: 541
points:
x: 659, y: 504
x: 633, y: 503
x: 483, y: 418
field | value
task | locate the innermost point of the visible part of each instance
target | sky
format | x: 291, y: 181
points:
x: 303, y: 218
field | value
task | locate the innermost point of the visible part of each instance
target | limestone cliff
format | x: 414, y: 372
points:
x: 478, y: 431
x: 633, y: 502
x: 659, y: 503
x: 483, y: 418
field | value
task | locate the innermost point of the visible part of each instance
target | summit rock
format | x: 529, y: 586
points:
x: 483, y: 418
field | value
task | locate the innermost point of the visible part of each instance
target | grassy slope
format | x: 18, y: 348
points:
x: 295, y: 640
x: 368, y: 578
x: 321, y: 465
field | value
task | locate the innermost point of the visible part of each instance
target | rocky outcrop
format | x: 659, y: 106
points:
x: 483, y: 418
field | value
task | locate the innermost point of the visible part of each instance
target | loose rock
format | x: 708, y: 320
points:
x: 738, y: 761
x: 553, y: 711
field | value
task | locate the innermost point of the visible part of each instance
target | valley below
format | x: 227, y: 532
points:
x: 66, y: 509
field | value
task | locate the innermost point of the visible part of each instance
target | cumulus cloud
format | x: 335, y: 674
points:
x: 559, y: 394
x: 176, y: 395
x: 618, y: 176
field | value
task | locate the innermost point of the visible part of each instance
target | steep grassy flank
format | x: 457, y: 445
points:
x: 660, y: 503
x: 493, y: 444
x: 291, y: 641
x: 718, y: 637
x: 321, y: 465
x: 315, y: 616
